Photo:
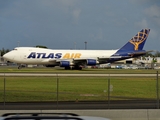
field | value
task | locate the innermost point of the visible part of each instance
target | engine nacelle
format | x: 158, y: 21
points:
x: 91, y: 62
x: 64, y: 64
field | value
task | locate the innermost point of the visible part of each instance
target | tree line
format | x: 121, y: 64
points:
x: 153, y: 54
x: 3, y: 51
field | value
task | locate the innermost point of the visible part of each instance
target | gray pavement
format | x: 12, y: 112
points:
x: 75, y: 75
x: 136, y: 114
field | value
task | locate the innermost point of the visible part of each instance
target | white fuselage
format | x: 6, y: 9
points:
x: 31, y: 55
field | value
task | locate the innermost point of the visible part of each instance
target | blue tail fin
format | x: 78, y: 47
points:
x: 137, y: 42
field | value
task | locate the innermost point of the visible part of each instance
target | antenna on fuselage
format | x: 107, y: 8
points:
x: 18, y: 42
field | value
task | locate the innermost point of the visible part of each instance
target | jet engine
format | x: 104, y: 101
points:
x: 65, y: 64
x: 91, y: 62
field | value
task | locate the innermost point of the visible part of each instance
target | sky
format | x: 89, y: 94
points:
x: 68, y: 24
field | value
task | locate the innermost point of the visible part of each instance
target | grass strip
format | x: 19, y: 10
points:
x: 38, y: 89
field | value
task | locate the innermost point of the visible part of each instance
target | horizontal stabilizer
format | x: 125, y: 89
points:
x: 139, y: 53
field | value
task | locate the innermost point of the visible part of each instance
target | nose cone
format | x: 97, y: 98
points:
x: 8, y: 56
x: 5, y: 56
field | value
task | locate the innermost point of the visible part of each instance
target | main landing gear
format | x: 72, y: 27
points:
x: 74, y: 68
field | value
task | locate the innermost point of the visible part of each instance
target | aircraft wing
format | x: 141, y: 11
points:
x: 81, y: 61
x: 76, y: 62
x: 139, y: 53
x: 52, y: 60
x: 91, y: 61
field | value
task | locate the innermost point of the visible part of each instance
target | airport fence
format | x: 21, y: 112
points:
x: 79, y: 89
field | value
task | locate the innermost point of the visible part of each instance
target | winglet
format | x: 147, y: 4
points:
x: 137, y: 42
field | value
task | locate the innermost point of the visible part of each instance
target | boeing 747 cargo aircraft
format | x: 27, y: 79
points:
x: 75, y: 59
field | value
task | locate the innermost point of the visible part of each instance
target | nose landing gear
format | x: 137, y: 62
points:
x: 20, y: 66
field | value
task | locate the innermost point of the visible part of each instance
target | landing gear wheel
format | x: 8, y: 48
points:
x: 77, y: 68
x: 19, y: 67
x: 67, y: 68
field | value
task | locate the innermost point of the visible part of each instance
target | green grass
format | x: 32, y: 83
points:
x: 25, y: 89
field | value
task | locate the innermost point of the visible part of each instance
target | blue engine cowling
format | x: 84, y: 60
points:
x: 91, y: 62
x: 64, y: 64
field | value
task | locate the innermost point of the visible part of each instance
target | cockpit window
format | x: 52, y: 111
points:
x: 14, y: 49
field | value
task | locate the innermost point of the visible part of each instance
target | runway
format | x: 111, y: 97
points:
x: 120, y: 104
x: 75, y: 75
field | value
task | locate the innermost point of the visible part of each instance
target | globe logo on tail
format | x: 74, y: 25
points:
x: 139, y: 38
